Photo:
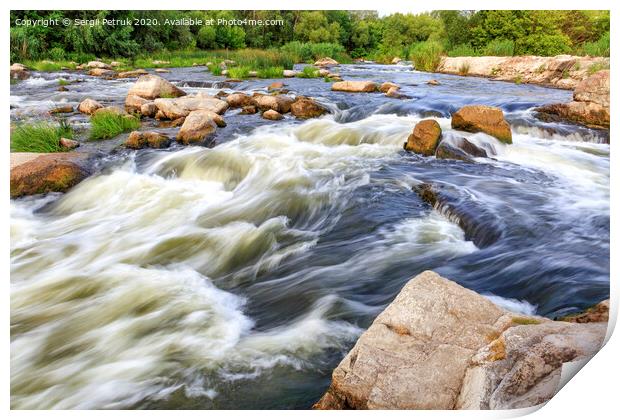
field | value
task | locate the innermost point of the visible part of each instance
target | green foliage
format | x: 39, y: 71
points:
x: 309, y: 72
x: 464, y: 69
x: 270, y: 72
x: 463, y: 50
x: 500, y: 48
x: 205, y: 38
x: 63, y: 82
x: 105, y: 125
x: 598, y: 48
x: 240, y: 72
x: 426, y: 55
x: 215, y: 69
x: 596, y: 67
x: 314, y: 27
x: 40, y: 137
x: 305, y: 52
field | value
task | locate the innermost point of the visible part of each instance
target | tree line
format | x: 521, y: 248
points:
x: 358, y: 34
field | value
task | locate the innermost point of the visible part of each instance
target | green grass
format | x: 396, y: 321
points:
x: 239, y: 72
x: 46, y: 65
x: 599, y: 48
x: 215, y: 69
x: 63, y: 82
x: 40, y: 137
x: 464, y: 69
x: 463, y: 50
x: 596, y: 67
x: 524, y: 321
x: 426, y: 55
x: 270, y: 72
x: 500, y: 48
x: 105, y: 125
x: 309, y: 72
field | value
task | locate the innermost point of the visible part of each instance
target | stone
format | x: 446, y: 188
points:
x: 247, y: 110
x: 131, y: 73
x: 355, y: 86
x: 198, y: 126
x: 271, y: 114
x: 323, y: 72
x: 424, y: 138
x: 253, y: 73
x: 238, y: 100
x: 62, y: 109
x: 159, y: 70
x: 386, y: 86
x: 433, y: 82
x: 47, y: 172
x: 148, y: 109
x: 289, y: 73
x: 181, y: 107
x: 482, y: 118
x: 597, y: 313
x: 151, y: 86
x: 142, y: 139
x: 68, y: 144
x: 99, y: 72
x: 133, y: 103
x: 19, y: 71
x: 116, y: 64
x: 394, y: 92
x: 275, y: 86
x: 280, y: 103
x: 459, y: 149
x: 88, y: 106
x: 326, y: 62
x: 305, y: 108
x: 98, y: 65
x: 439, y: 345
x: 111, y: 110
x: 396, y: 60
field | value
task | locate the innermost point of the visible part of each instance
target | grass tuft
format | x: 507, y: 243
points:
x: 105, y: 125
x: 270, y: 73
x: 309, y: 72
x: 239, y: 72
x: 40, y: 137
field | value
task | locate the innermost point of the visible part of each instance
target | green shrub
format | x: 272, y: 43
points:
x: 240, y: 72
x: 270, y: 72
x: 40, y: 137
x: 305, y: 52
x: 215, y: 69
x: 426, y: 55
x: 598, y: 48
x: 500, y: 48
x: 56, y: 54
x: 105, y: 125
x: 463, y: 50
x: 309, y: 72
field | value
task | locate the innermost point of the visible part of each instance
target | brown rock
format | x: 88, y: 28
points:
x: 433, y: 82
x: 594, y: 89
x: 62, y: 109
x: 51, y: 172
x: 142, y: 139
x: 238, y: 100
x: 459, y: 149
x: 131, y: 73
x: 151, y: 86
x: 280, y: 103
x: 19, y: 71
x: 394, y: 92
x: 88, y: 106
x: 133, y: 103
x: 326, y: 62
x: 181, y: 107
x: 98, y: 72
x: 68, y: 144
x: 250, y: 109
x: 386, y: 86
x: 198, y: 125
x: 481, y: 118
x: 162, y: 70
x: 148, y: 109
x: 275, y: 86
x: 597, y: 313
x: 355, y: 86
x: 98, y: 65
x: 424, y: 138
x: 271, y: 114
x: 307, y: 108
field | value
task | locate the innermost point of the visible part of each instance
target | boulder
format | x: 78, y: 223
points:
x: 355, y: 86
x: 198, y: 126
x: 597, y: 313
x: 394, y: 92
x: 151, y: 86
x: 88, y: 106
x: 116, y: 64
x: 396, y: 60
x: 253, y: 73
x: 148, y: 109
x: 275, y: 86
x: 98, y: 65
x: 68, y: 144
x: 441, y: 346
x: 98, y: 72
x: 47, y: 172
x: 238, y: 100
x: 433, y: 82
x: 424, y: 138
x: 386, y: 86
x: 247, y: 110
x: 142, y: 139
x: 131, y: 73
x: 305, y: 108
x: 158, y: 70
x: 181, y: 107
x: 326, y: 62
x: 459, y: 149
x: 19, y: 71
x: 62, y: 109
x: 279, y: 103
x: 481, y: 118
x: 133, y: 103
x: 271, y: 114
x: 323, y: 72
x: 174, y: 123
x: 289, y: 73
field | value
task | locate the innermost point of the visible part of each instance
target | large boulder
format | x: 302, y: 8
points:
x: 272, y: 114
x: 151, y: 86
x: 594, y: 89
x: 386, y: 86
x: 198, y: 126
x: 142, y: 139
x: 98, y: 72
x: 326, y: 62
x: 305, y: 108
x: 279, y: 103
x: 19, y: 71
x: 355, y: 86
x: 441, y: 346
x: 482, y: 118
x: 98, y: 65
x: 181, y: 107
x: 239, y: 100
x: 424, y: 138
x: 131, y: 73
x: 88, y: 106
x: 289, y: 73
x: 133, y: 103
x: 46, y: 172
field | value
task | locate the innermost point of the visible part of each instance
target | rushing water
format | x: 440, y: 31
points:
x: 238, y: 276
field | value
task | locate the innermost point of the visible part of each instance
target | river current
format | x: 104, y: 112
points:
x: 238, y: 276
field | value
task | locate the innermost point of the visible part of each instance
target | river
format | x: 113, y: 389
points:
x: 238, y: 276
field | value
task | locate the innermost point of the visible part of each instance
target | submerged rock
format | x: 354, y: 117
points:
x: 355, y: 86
x: 88, y: 106
x: 271, y: 114
x: 459, y: 149
x: 151, y: 86
x: 142, y: 139
x: 47, y: 172
x: 305, y: 108
x: 433, y: 82
x: 482, y: 118
x: 439, y: 345
x: 424, y: 138
x: 62, y: 109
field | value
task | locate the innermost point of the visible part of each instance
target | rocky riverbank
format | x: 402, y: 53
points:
x: 439, y: 345
x: 562, y: 71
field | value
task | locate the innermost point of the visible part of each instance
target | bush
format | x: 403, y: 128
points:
x: 241, y: 72
x: 543, y: 45
x: 305, y: 52
x: 463, y: 50
x: 426, y: 55
x: 598, y: 48
x: 105, y: 125
x: 215, y: 69
x: 57, y: 54
x: 40, y: 137
x: 270, y: 73
x: 309, y: 72
x: 500, y: 48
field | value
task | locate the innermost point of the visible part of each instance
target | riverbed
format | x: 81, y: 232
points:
x: 238, y: 275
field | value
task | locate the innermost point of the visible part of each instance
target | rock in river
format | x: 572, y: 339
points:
x: 272, y: 114
x: 304, y: 108
x: 425, y: 138
x: 482, y: 118
x: 459, y: 149
x: 180, y: 107
x: 198, y: 126
x: 439, y: 345
x: 88, y: 106
x: 151, y: 86
x: 142, y: 139
x: 279, y: 103
x: 355, y: 86
x: 239, y: 100
x: 326, y: 62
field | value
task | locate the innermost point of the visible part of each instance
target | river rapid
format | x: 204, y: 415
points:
x: 238, y: 276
